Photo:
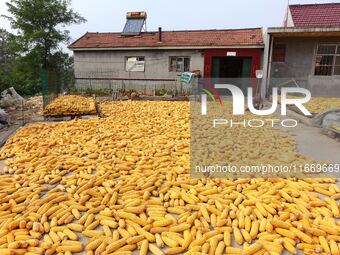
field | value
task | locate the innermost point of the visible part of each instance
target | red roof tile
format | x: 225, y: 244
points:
x: 199, y: 38
x: 316, y: 15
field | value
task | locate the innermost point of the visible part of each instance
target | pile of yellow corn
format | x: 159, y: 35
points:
x: 337, y: 128
x: 123, y: 183
x: 70, y: 105
x: 320, y: 104
x: 238, y: 142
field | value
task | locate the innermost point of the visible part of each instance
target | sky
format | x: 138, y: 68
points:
x: 109, y: 15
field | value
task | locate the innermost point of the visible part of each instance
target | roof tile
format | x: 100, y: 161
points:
x: 316, y: 15
x: 191, y: 38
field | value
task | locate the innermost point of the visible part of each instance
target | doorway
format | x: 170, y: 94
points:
x: 231, y: 67
x: 233, y: 70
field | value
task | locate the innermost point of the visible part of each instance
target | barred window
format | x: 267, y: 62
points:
x: 179, y: 64
x: 327, y: 61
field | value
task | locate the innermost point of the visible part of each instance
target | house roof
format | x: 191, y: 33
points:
x: 304, y: 31
x: 315, y: 15
x: 173, y: 39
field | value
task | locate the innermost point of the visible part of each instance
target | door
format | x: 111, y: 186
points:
x: 215, y: 71
x: 246, y: 68
x: 246, y: 75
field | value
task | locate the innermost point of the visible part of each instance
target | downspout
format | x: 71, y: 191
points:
x: 271, y: 39
x: 267, y: 58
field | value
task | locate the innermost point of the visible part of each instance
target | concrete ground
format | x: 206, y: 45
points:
x: 316, y: 145
x: 312, y: 141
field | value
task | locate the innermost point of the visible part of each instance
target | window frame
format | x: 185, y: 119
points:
x: 285, y: 53
x: 126, y: 61
x: 179, y: 57
x: 334, y: 55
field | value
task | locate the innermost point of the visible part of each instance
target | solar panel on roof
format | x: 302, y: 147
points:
x: 133, y: 26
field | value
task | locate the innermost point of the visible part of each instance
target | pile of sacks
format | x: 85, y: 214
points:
x: 9, y: 98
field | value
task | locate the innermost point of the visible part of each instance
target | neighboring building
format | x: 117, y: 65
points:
x: 165, y: 54
x: 306, y: 49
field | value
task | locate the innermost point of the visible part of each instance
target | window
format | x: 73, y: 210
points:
x: 279, y: 52
x: 179, y: 64
x: 135, y: 64
x: 327, y: 60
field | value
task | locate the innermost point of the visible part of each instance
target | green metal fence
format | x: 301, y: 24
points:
x: 104, y: 86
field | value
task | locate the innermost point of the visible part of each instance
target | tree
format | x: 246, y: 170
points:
x: 6, y: 60
x: 41, y: 25
x: 7, y: 47
x: 3, y: 46
x: 40, y: 29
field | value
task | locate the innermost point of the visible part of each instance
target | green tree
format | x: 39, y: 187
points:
x: 40, y: 25
x: 6, y: 60
x: 4, y: 52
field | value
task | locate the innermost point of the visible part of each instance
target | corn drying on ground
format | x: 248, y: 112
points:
x: 337, y: 128
x: 269, y: 145
x: 70, y: 105
x: 319, y: 104
x: 123, y: 183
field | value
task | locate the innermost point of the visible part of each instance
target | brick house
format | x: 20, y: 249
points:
x: 163, y: 55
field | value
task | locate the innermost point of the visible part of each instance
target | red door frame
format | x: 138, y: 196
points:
x: 255, y: 54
